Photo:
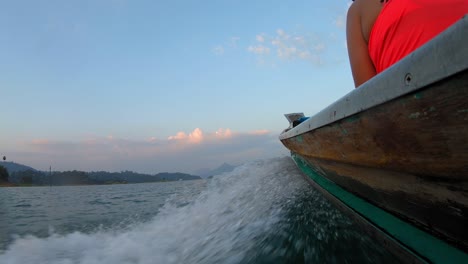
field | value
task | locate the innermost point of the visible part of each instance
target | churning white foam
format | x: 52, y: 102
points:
x: 220, y: 225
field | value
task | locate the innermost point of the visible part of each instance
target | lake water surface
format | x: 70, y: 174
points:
x: 262, y: 212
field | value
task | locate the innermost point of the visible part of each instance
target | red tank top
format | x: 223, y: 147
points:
x: 404, y: 25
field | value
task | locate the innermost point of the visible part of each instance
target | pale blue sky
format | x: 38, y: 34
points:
x: 127, y: 74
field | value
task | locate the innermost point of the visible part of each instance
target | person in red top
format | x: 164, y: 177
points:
x: 380, y: 33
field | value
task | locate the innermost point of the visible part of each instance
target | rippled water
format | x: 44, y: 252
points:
x: 262, y: 212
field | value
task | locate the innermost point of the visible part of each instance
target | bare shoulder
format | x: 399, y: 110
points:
x: 353, y: 19
x: 364, y: 12
x: 354, y: 10
x: 367, y: 5
x: 357, y: 34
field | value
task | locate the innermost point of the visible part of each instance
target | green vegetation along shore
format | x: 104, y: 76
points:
x: 14, y: 174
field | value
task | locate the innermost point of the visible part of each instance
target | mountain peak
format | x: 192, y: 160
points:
x: 15, y: 167
x: 223, y: 168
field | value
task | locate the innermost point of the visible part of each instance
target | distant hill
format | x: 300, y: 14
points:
x: 25, y: 175
x: 133, y: 177
x: 225, y: 167
x: 15, y: 167
x: 176, y: 176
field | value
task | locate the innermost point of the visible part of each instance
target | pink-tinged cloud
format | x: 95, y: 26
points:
x: 195, y: 137
x: 259, y: 132
x: 198, y: 136
x: 178, y: 136
x: 40, y: 142
x: 182, y: 152
x: 152, y: 139
x: 90, y: 141
x: 223, y: 133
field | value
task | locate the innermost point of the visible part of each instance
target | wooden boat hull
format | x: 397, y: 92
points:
x: 408, y: 156
x: 402, y: 146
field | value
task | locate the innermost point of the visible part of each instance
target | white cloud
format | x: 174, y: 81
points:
x: 260, y: 38
x: 304, y: 55
x: 259, y: 49
x: 285, y: 52
x: 281, y: 33
x: 300, y: 40
x: 233, y: 41
x: 289, y: 46
x: 340, y: 22
x: 319, y: 47
x: 218, y: 50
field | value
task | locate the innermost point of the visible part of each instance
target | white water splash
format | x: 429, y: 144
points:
x: 220, y: 225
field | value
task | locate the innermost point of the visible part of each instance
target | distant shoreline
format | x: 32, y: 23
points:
x: 8, y: 184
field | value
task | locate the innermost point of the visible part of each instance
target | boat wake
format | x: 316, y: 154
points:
x: 261, y: 212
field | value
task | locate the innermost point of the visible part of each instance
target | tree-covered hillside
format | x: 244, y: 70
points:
x: 25, y: 175
x: 3, y: 174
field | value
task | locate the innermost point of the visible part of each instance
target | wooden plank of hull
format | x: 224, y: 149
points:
x: 398, y: 249
x: 408, y: 156
x: 408, y: 243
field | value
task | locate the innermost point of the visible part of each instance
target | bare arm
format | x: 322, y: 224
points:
x: 361, y: 64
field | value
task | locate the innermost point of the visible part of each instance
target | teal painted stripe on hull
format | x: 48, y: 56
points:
x: 408, y: 236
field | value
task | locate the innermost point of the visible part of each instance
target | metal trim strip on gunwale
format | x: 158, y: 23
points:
x: 443, y: 56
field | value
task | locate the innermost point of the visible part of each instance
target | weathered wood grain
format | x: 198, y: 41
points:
x: 408, y: 156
